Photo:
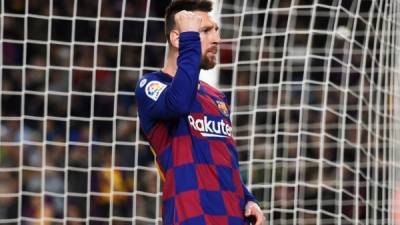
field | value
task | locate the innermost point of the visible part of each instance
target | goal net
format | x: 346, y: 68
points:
x: 314, y: 87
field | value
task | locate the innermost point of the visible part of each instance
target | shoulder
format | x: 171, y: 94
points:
x: 150, y: 85
x: 212, y: 90
x: 155, y: 77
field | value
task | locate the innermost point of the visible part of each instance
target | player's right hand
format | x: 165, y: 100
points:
x: 187, y: 21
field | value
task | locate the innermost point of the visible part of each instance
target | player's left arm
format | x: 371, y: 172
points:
x: 252, y: 208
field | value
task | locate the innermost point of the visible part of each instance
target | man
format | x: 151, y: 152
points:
x: 187, y: 125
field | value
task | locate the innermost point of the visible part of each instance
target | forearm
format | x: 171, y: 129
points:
x: 184, y: 85
x: 162, y: 100
x: 247, y: 195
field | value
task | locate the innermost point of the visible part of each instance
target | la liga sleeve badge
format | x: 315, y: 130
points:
x: 154, y: 89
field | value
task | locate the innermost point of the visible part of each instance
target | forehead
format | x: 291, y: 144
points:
x: 207, y: 19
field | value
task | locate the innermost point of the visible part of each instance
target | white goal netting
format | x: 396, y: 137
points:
x: 314, y: 87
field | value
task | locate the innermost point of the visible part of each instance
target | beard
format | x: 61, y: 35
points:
x: 208, y: 62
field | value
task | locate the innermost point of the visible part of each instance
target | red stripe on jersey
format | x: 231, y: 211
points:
x: 208, y: 105
x: 220, y: 153
x: 169, y: 185
x: 211, y: 90
x: 232, y: 203
x: 188, y: 205
x: 182, y: 150
x: 220, y: 220
x: 159, y: 137
x: 238, y: 184
x: 207, y: 177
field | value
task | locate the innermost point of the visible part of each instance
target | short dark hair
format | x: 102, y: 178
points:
x: 179, y: 5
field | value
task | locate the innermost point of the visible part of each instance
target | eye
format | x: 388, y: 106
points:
x: 206, y: 30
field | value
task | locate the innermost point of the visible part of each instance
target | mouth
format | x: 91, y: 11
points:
x: 213, y: 50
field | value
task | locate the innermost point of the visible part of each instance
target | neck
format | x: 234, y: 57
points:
x: 170, y: 66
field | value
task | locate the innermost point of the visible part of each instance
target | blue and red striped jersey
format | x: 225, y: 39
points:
x: 188, y: 127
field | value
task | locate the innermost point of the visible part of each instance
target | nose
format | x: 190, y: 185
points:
x: 216, y: 37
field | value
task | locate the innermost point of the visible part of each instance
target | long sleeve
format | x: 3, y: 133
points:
x: 161, y: 100
x: 247, y: 195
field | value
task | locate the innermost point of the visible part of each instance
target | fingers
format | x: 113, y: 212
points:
x: 247, y: 212
x: 260, y: 218
x: 254, y: 210
x: 187, y: 21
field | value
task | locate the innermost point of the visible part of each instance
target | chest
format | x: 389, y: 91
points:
x: 210, y: 105
x: 209, y: 117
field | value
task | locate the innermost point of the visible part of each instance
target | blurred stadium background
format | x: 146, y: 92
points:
x: 313, y: 86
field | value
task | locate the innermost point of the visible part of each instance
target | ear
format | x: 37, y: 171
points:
x: 174, y: 38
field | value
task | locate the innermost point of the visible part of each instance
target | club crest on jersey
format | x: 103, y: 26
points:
x: 222, y: 108
x: 154, y: 89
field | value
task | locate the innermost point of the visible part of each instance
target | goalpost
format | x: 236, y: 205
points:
x: 314, y: 87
